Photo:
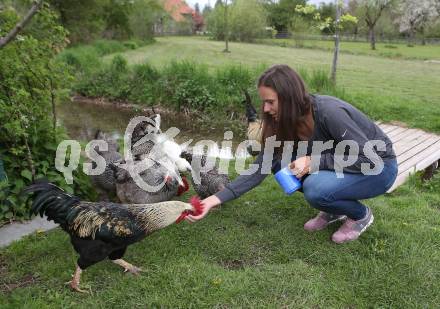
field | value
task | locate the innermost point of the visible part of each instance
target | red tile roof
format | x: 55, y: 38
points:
x: 177, y: 9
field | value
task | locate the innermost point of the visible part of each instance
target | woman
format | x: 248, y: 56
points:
x: 291, y: 114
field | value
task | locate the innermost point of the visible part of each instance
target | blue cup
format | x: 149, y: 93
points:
x: 287, y: 180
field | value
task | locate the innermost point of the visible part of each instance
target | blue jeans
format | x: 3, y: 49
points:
x: 340, y: 196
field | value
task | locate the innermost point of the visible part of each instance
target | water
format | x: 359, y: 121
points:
x: 82, y: 120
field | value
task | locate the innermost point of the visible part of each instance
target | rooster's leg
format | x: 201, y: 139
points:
x: 128, y: 267
x: 74, y: 284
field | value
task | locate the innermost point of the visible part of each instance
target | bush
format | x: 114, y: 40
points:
x: 31, y: 77
x: 130, y: 45
x: 144, y: 84
x: 106, y: 47
x: 187, y: 84
x: 319, y: 81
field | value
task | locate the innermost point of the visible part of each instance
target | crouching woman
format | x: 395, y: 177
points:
x: 291, y: 114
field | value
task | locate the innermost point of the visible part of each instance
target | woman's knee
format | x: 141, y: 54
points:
x: 316, y: 194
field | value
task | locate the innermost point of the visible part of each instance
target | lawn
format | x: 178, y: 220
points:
x: 390, y: 50
x: 251, y: 253
x: 385, y: 89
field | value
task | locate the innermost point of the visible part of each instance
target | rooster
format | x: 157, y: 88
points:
x: 100, y: 230
x: 211, y: 181
x: 254, y: 124
x: 150, y: 145
x: 129, y: 192
x: 105, y: 183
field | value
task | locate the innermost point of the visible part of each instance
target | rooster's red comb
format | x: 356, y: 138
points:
x: 196, y: 203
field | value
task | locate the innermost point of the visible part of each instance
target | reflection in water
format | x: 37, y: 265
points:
x: 82, y: 120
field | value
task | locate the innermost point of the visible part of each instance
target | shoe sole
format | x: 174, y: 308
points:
x: 363, y: 230
x: 368, y: 224
x: 328, y: 223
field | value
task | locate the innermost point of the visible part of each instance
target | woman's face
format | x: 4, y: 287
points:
x: 270, y: 101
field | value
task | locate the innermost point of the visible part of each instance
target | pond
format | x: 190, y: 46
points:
x: 82, y: 120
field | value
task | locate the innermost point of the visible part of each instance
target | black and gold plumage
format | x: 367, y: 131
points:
x: 103, y: 230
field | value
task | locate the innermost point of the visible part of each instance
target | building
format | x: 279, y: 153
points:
x: 180, y: 18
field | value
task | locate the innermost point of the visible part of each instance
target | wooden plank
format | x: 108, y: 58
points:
x: 421, y: 165
x: 432, y: 157
x: 421, y: 159
x: 388, y: 128
x: 396, y: 132
x: 416, y: 150
x: 404, y: 145
x: 408, y: 135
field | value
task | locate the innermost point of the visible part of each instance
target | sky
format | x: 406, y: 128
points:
x: 202, y: 3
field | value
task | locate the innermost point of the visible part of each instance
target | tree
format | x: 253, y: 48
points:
x: 336, y: 50
x: 371, y: 11
x: 216, y: 22
x: 116, y: 17
x: 327, y: 10
x: 248, y: 20
x: 20, y: 26
x: 244, y: 20
x: 207, y: 9
x: 304, y: 21
x: 143, y: 17
x: 280, y: 13
x: 226, y: 19
x: 417, y: 16
x: 84, y: 19
x: 328, y: 23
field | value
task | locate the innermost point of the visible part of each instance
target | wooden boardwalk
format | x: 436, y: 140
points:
x: 415, y: 149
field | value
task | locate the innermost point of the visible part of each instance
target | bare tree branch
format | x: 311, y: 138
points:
x: 20, y: 26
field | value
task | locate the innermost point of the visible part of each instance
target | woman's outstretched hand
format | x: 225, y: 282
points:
x: 208, y: 203
x: 300, y: 166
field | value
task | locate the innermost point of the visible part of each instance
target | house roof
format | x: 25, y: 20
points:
x: 178, y: 9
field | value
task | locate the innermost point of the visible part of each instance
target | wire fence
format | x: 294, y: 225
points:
x: 357, y: 38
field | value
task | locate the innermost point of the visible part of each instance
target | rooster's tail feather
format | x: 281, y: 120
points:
x: 52, y: 201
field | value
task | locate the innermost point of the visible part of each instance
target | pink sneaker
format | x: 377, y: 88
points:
x: 321, y: 221
x: 351, y: 229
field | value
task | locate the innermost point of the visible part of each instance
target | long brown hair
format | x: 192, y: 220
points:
x: 294, y: 103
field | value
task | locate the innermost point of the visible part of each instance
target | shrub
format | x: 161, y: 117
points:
x: 30, y: 78
x: 130, y: 45
x: 106, y: 47
x: 319, y: 81
x: 145, y: 84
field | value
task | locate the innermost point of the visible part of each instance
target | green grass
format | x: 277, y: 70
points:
x: 251, y: 253
x: 385, y: 89
x: 389, y: 50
